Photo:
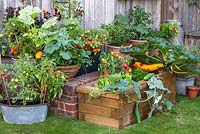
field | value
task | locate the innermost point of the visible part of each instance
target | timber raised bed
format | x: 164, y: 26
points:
x: 113, y: 110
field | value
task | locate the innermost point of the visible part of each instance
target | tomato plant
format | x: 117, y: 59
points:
x: 33, y: 81
x: 114, y: 63
x: 94, y: 39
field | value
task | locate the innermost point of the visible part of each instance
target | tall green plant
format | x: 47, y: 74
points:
x: 140, y: 22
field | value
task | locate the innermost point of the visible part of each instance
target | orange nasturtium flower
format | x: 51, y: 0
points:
x: 38, y: 55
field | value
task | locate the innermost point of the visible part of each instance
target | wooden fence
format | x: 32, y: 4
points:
x: 189, y: 14
x: 99, y: 12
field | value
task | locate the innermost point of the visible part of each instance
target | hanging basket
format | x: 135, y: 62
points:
x: 69, y: 71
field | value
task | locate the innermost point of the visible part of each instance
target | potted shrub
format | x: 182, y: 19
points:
x: 118, y: 34
x: 32, y: 85
x: 66, y: 48
x: 140, y: 22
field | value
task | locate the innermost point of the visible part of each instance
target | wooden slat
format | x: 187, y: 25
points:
x: 105, y: 102
x: 109, y: 11
x: 119, y: 113
x: 102, y: 121
x: 94, y: 109
x: 99, y: 13
x: 89, y: 13
x: 81, y: 97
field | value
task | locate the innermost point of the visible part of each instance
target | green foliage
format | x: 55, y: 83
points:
x: 115, y: 83
x: 33, y: 81
x: 60, y: 47
x: 138, y: 74
x: 117, y: 34
x: 23, y: 34
x: 113, y: 62
x: 28, y: 14
x: 169, y: 30
x: 139, y: 23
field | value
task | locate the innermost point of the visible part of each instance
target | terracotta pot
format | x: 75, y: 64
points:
x: 135, y: 42
x: 105, y: 73
x: 193, y: 91
x: 69, y: 71
x: 116, y: 49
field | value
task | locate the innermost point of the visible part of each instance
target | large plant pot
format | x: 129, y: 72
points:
x: 182, y: 83
x: 69, y: 71
x: 193, y: 91
x: 24, y: 114
x: 116, y: 49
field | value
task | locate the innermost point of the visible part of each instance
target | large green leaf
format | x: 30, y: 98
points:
x: 26, y: 19
x: 50, y: 48
x: 30, y: 11
x: 65, y: 55
x: 28, y: 14
x: 50, y: 23
x: 136, y: 89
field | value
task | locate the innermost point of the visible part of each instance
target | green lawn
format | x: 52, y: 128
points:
x: 184, y: 119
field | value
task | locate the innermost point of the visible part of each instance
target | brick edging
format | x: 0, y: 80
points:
x: 67, y: 105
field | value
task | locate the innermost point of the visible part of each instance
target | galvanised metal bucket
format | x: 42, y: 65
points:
x: 24, y: 114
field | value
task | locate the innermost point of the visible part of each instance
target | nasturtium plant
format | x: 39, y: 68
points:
x: 169, y: 30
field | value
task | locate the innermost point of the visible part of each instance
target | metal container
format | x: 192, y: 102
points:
x: 24, y: 114
x: 182, y: 83
x: 179, y: 40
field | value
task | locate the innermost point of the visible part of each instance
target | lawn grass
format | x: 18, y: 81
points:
x: 184, y: 119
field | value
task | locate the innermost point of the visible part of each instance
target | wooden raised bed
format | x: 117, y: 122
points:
x: 113, y: 110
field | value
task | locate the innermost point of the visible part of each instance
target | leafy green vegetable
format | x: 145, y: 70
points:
x: 138, y: 74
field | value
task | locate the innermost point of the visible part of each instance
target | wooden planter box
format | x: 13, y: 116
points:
x: 113, y: 110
